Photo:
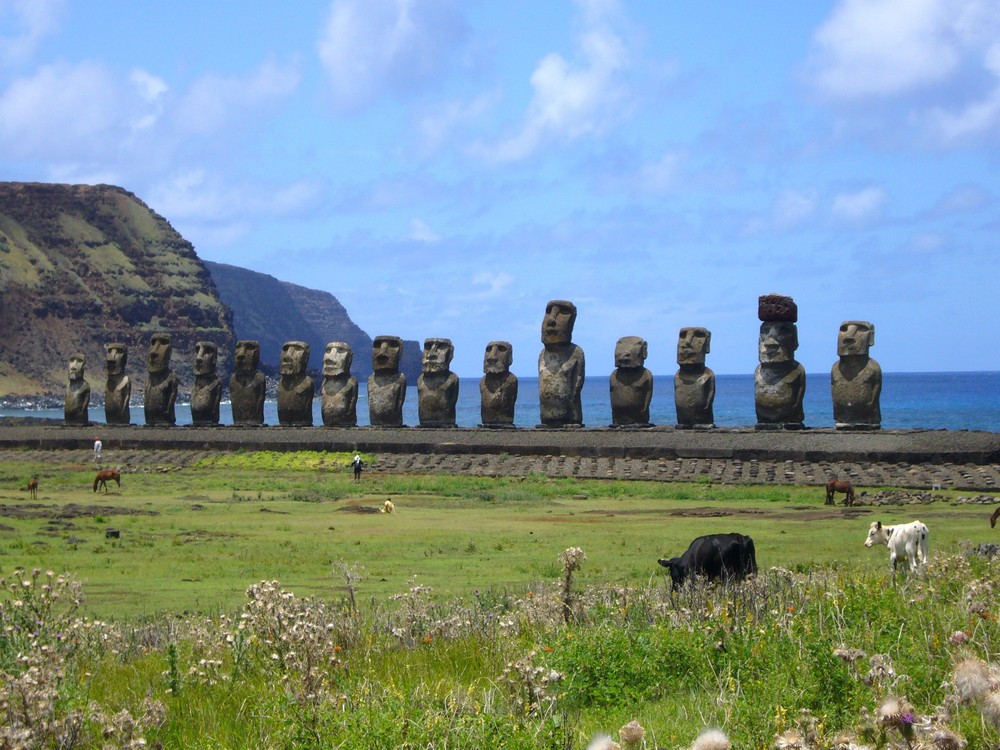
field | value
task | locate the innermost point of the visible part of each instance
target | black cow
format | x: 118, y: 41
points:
x: 730, y: 557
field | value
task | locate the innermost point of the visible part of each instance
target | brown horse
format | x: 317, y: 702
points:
x: 839, y: 485
x: 994, y: 517
x: 101, y: 480
x: 33, y: 487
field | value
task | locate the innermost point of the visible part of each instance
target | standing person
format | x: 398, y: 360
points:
x: 98, y: 445
x: 357, y: 463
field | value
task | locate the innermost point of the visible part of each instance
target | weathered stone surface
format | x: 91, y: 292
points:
x: 437, y: 386
x: 206, y: 394
x: 296, y: 389
x: 77, y: 391
x: 117, y: 387
x: 856, y: 378
x: 779, y: 381
x: 631, y: 384
x: 160, y: 392
x: 561, y: 368
x: 386, y: 384
x: 694, y: 383
x: 247, y: 386
x: 498, y: 386
x: 777, y: 308
x: 339, y: 392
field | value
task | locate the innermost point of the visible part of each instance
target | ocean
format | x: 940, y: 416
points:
x: 933, y: 401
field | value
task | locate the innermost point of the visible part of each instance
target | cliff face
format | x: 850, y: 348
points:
x: 84, y: 265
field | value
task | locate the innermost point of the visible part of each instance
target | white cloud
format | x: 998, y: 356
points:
x: 33, y: 21
x: 420, y: 231
x: 371, y: 48
x: 492, y: 284
x: 572, y: 99
x: 793, y: 208
x: 859, y: 208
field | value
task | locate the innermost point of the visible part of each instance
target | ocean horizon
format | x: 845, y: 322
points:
x: 933, y: 401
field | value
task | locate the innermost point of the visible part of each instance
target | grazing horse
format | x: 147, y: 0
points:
x: 33, y: 487
x: 101, y: 480
x: 839, y: 485
x: 994, y: 517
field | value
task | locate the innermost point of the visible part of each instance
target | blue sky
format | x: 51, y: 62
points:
x: 445, y: 168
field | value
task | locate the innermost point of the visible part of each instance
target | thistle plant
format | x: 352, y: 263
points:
x: 571, y: 559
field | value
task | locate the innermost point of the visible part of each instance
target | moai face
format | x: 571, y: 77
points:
x: 77, y: 365
x: 557, y: 325
x: 630, y: 352
x: 855, y: 338
x: 116, y: 355
x: 247, y: 357
x: 206, y: 356
x: 160, y: 348
x: 437, y: 355
x: 386, y: 353
x: 498, y: 357
x: 294, y: 358
x: 693, y: 343
x: 337, y: 359
x: 778, y: 342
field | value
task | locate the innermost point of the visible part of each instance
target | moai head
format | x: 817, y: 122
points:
x: 437, y: 355
x: 115, y: 359
x: 498, y: 358
x: 855, y: 338
x: 294, y: 358
x: 247, y: 356
x: 693, y: 343
x: 337, y: 359
x: 160, y: 348
x: 386, y: 353
x: 778, y: 342
x: 631, y: 352
x: 206, y: 356
x: 557, y: 325
x: 77, y: 365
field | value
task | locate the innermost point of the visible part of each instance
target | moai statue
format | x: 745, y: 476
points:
x: 498, y: 386
x: 77, y: 392
x: 160, y: 392
x: 206, y: 395
x: 339, y: 393
x: 560, y: 368
x: 856, y: 379
x: 779, y: 381
x: 694, y: 384
x: 296, y: 390
x: 117, y: 388
x: 631, y: 384
x: 247, y: 386
x: 386, y: 385
x: 437, y: 386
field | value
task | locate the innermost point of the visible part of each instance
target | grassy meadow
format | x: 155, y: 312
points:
x: 261, y: 600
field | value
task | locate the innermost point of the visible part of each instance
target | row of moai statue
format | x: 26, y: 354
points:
x: 779, y: 381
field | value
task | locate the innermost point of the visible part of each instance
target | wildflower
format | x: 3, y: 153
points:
x: 942, y: 738
x: 849, y: 655
x: 991, y: 707
x: 790, y: 740
x: 711, y: 739
x: 959, y: 637
x: 972, y: 679
x: 632, y: 733
x: 603, y: 742
x: 895, y: 712
x: 847, y: 741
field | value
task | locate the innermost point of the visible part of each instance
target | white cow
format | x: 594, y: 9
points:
x: 909, y: 540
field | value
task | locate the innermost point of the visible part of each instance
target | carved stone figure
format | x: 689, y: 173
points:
x: 561, y: 368
x: 118, y: 387
x: 498, y: 386
x: 779, y: 381
x: 631, y: 384
x: 160, y: 392
x: 296, y: 390
x: 206, y: 395
x: 77, y: 392
x: 856, y: 379
x: 694, y: 384
x: 339, y: 393
x: 437, y: 386
x: 386, y: 385
x: 247, y: 386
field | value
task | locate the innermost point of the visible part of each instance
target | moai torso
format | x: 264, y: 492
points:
x: 247, y: 386
x: 206, y: 394
x: 561, y: 368
x: 631, y: 384
x: 339, y: 392
x: 779, y: 381
x: 856, y: 379
x: 296, y: 390
x: 498, y: 386
x: 694, y: 384
x: 386, y: 385
x: 437, y: 386
x: 77, y: 404
x: 118, y: 387
x: 160, y: 393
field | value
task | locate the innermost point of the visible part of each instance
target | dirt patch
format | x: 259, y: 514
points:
x: 72, y: 510
x: 201, y: 535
